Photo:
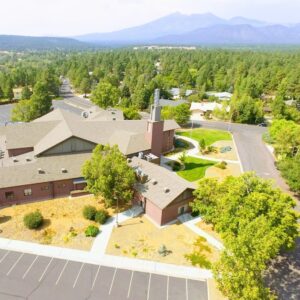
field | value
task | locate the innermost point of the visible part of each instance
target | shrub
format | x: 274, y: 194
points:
x: 195, y: 214
x: 92, y: 231
x: 175, y: 165
x: 89, y: 212
x: 33, y: 220
x: 101, y: 216
x: 222, y: 165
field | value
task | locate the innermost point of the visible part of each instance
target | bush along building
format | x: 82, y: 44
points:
x: 43, y: 159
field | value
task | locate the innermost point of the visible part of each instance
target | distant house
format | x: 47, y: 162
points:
x: 164, y: 102
x: 223, y: 96
x: 189, y: 93
x: 199, y: 109
x: 176, y: 93
x: 163, y: 195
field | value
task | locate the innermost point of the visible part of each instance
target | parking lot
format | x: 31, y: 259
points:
x: 26, y: 276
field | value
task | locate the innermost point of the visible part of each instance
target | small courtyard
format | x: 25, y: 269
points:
x: 64, y: 224
x: 140, y: 238
x: 217, y: 158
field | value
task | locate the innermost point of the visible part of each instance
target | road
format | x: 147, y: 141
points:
x: 253, y: 153
x: 31, y: 277
x: 70, y: 103
x: 284, y: 275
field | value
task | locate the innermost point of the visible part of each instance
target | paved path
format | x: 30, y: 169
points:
x: 190, y: 222
x: 35, y: 277
x: 252, y: 150
x: 284, y: 276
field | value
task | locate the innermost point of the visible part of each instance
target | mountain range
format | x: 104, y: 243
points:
x: 21, y: 43
x: 175, y: 29
x: 200, y: 29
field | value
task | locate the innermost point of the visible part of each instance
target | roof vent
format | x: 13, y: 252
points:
x: 154, y: 181
x: 63, y: 170
x: 15, y: 159
x: 166, y: 190
x: 41, y: 171
x: 28, y: 159
x: 144, y: 178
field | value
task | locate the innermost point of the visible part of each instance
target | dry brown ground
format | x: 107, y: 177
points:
x: 231, y: 170
x: 231, y: 155
x: 209, y: 229
x: 139, y: 238
x: 61, y: 216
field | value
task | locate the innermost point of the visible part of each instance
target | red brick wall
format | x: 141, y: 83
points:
x: 170, y: 213
x: 168, y: 140
x: 56, y: 189
x: 16, y: 152
x: 154, y: 212
x: 155, y: 137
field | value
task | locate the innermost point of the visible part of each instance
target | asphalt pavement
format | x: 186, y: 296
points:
x: 283, y: 276
x: 26, y: 276
x: 252, y: 150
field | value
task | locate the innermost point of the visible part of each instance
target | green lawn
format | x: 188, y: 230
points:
x: 209, y: 135
x: 195, y: 168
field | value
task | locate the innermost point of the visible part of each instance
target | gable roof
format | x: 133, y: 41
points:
x: 27, y: 173
x: 164, y: 178
x: 60, y: 125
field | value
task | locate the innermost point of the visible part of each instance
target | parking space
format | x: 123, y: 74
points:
x: 26, y: 276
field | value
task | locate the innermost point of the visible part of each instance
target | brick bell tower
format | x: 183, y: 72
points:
x: 155, y: 127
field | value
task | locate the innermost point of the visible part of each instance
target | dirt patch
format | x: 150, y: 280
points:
x: 231, y: 170
x: 64, y: 224
x: 139, y: 238
x: 231, y: 155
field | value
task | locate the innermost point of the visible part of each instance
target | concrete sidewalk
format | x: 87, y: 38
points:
x: 97, y: 254
x: 191, y: 222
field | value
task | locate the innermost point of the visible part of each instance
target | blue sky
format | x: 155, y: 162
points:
x: 74, y: 17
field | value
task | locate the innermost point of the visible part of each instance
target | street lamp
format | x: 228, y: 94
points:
x: 117, y: 221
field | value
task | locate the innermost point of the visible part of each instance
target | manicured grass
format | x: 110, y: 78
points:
x: 195, y: 168
x: 209, y: 135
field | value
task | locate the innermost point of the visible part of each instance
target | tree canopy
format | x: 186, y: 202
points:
x: 256, y: 221
x: 108, y: 175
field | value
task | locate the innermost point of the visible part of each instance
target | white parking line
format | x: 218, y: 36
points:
x: 46, y: 269
x: 30, y: 267
x: 186, y: 289
x: 129, y: 288
x: 4, y: 256
x: 168, y: 279
x: 13, y: 266
x: 112, y: 281
x: 62, y: 271
x: 148, y: 293
x: 82, y: 265
x: 95, y: 278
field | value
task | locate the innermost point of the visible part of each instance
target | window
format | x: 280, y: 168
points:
x: 27, y: 192
x: 9, y: 195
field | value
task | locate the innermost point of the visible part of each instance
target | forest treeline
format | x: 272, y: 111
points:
x: 127, y: 78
